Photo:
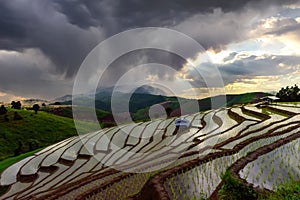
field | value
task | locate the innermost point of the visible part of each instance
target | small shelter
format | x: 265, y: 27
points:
x: 270, y: 99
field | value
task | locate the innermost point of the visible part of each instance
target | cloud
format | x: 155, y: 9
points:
x: 279, y: 25
x: 263, y: 83
x: 66, y: 30
x: 202, y: 20
x: 21, y: 75
x: 231, y: 56
x: 243, y: 67
x: 132, y: 59
x: 2, y: 94
x: 132, y: 13
x: 36, y: 24
x: 255, y: 66
x: 63, y: 32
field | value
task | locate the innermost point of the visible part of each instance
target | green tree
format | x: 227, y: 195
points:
x: 36, y: 108
x: 13, y: 103
x: 3, y: 110
x: 16, y: 105
x: 289, y: 93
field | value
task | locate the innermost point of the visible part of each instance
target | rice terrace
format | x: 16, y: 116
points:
x: 149, y: 100
x: 257, y: 148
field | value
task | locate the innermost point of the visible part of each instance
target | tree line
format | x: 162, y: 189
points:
x: 16, y: 105
x: 289, y: 93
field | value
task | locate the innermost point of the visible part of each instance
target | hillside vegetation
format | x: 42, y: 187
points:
x: 254, y: 147
x: 34, y: 131
x: 56, y: 124
x: 140, y: 114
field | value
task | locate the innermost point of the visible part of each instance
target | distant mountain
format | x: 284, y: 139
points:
x: 146, y: 89
x: 33, y: 101
x: 142, y: 96
x: 142, y: 99
x: 231, y: 99
x: 111, y: 89
x: 63, y: 98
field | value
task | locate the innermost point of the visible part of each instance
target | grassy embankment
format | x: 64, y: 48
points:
x: 33, y: 132
x: 234, y: 189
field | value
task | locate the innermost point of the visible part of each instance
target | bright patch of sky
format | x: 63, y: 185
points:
x: 271, y: 37
x: 290, y: 12
x: 264, y: 43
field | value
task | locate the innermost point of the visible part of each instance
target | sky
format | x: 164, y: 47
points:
x: 254, y: 44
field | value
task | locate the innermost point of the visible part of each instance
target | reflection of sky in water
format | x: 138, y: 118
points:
x: 199, y: 182
x: 276, y: 167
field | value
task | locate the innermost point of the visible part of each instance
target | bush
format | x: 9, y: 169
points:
x: 288, y: 191
x: 33, y: 144
x: 36, y: 108
x: 3, y: 110
x: 234, y: 189
x: 17, y: 116
x: 16, y: 105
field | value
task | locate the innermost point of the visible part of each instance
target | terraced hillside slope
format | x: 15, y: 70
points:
x: 34, y: 131
x: 259, y: 144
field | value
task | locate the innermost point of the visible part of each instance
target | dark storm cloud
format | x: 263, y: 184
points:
x: 132, y: 13
x: 65, y: 31
x: 36, y: 24
x: 62, y: 29
x: 12, y: 29
x: 30, y: 79
x: 251, y: 66
x: 139, y: 57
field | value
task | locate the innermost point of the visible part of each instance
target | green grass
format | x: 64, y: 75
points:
x: 286, y: 191
x: 66, y: 111
x: 141, y: 115
x: 42, y: 129
x: 295, y: 103
x: 241, y: 99
x: 269, y: 112
x: 9, y: 161
x: 233, y: 189
x: 247, y: 97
